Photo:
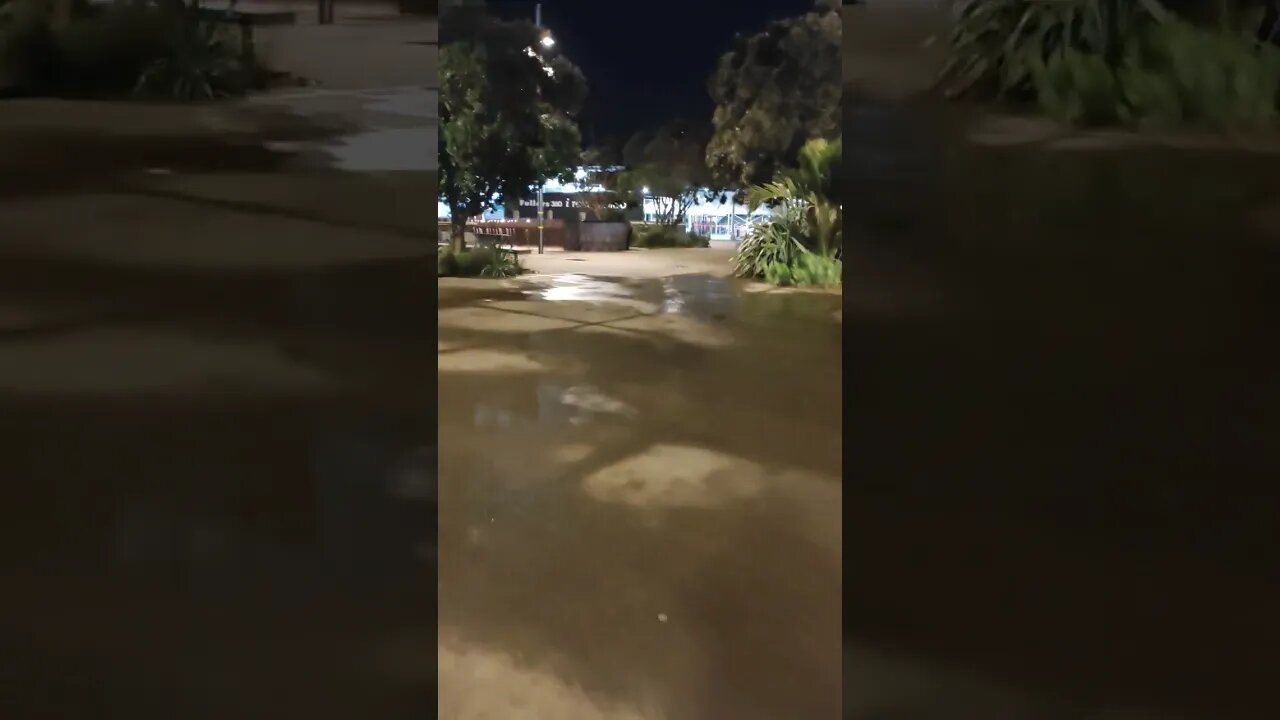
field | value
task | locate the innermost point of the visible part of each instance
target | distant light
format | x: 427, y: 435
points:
x: 530, y: 52
x: 548, y: 41
x: 645, y: 189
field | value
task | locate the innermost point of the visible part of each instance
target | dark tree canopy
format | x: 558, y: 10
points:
x: 773, y: 91
x: 506, y: 114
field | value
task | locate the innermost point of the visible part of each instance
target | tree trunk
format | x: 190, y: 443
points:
x: 458, y: 229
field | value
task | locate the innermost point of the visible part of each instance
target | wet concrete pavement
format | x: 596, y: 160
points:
x: 218, y: 496
x: 1065, y: 457
x: 217, y: 410
x: 640, y: 500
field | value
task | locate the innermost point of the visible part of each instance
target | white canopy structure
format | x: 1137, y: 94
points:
x: 727, y: 220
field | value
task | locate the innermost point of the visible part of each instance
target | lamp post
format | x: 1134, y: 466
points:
x: 542, y: 213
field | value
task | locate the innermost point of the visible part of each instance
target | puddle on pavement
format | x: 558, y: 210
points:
x: 649, y: 518
x: 349, y: 137
x: 703, y: 298
x: 394, y: 130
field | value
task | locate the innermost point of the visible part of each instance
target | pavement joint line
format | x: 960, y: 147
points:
x: 571, y: 328
x: 577, y: 323
x: 249, y: 207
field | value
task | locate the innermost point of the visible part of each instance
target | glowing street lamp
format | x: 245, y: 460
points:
x: 547, y: 41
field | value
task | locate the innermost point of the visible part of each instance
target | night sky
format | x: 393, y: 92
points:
x: 647, y: 62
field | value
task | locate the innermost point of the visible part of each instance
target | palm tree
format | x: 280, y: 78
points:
x: 809, y: 187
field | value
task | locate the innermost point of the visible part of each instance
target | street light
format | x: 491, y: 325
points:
x: 547, y: 42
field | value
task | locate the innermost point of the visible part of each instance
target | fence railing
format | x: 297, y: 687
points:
x: 513, y: 232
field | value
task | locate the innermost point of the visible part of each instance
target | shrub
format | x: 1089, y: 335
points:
x: 446, y: 263
x: 1102, y: 61
x: 154, y: 48
x: 200, y: 61
x: 28, y: 48
x: 698, y: 240
x: 477, y: 262
x: 488, y: 262
x: 777, y: 241
x: 817, y: 270
x: 1079, y: 88
x: 107, y: 52
x: 1179, y: 73
x: 997, y: 45
x: 667, y: 236
x: 808, y: 269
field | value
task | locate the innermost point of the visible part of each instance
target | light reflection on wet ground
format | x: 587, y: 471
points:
x: 646, y: 523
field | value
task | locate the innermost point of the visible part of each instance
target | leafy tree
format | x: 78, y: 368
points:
x: 773, y: 91
x: 671, y: 162
x: 506, y: 114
